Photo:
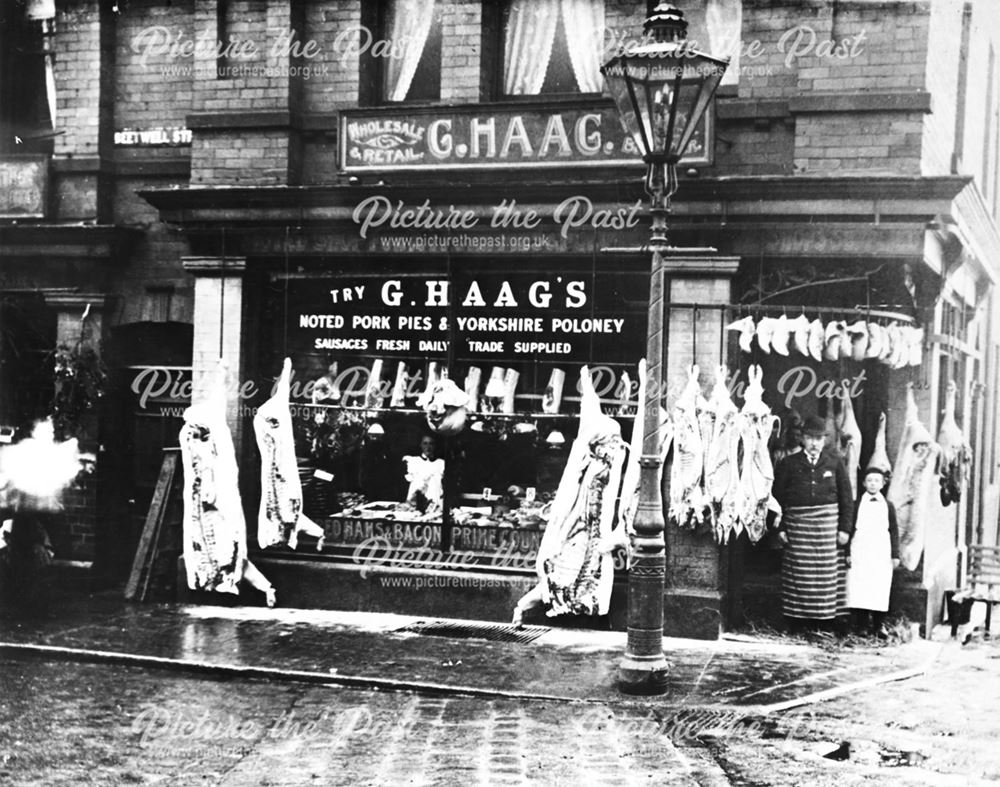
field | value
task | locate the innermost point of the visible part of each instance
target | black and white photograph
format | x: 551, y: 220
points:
x: 499, y: 392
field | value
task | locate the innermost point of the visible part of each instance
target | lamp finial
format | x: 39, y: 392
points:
x: 666, y: 23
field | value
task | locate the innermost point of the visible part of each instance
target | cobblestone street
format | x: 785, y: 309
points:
x: 90, y: 724
x: 110, y: 693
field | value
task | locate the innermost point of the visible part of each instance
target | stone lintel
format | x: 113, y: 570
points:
x: 706, y: 266
x: 214, y: 266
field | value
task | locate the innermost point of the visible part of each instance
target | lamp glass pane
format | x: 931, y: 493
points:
x: 646, y: 87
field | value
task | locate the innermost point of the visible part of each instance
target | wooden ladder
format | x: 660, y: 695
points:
x: 144, y: 563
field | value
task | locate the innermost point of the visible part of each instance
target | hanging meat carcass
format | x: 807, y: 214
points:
x: 912, y: 483
x: 846, y: 349
x: 876, y: 338
x: 280, y: 515
x: 832, y: 339
x: 832, y: 430
x: 901, y: 347
x: 722, y: 472
x: 890, y: 352
x: 630, y: 480
x: 800, y: 334
x: 575, y: 573
x: 398, y: 398
x: 916, y: 347
x: 756, y: 424
x: 746, y: 330
x: 214, y: 528
x: 780, y: 335
x: 880, y: 457
x: 858, y: 333
x: 765, y: 329
x: 850, y: 441
x: 817, y: 339
x: 956, y: 453
x: 374, y: 395
x: 552, y: 399
x: 687, y: 498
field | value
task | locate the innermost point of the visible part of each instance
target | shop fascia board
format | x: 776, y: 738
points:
x: 104, y: 243
x: 809, y: 240
x: 878, y: 197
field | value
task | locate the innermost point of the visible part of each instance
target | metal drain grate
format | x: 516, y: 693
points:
x: 489, y: 631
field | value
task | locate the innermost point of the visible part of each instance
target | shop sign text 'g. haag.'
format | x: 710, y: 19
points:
x: 482, y: 137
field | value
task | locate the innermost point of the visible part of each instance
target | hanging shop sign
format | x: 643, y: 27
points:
x: 152, y: 137
x: 24, y: 185
x: 479, y: 137
x: 572, y: 316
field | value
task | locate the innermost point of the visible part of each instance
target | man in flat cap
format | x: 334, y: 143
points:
x: 814, y: 491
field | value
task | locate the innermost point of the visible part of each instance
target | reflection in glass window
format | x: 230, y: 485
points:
x: 553, y: 46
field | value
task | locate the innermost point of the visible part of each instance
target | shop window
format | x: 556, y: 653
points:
x: 27, y: 82
x: 378, y: 459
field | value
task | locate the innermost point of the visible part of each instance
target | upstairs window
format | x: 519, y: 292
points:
x: 27, y: 82
x: 411, y: 71
x: 552, y: 46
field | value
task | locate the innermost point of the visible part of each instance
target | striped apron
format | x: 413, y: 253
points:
x: 814, y: 568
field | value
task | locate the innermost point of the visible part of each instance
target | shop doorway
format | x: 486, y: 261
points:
x: 151, y: 388
x: 27, y: 340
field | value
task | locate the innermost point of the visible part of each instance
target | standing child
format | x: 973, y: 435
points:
x: 874, y: 553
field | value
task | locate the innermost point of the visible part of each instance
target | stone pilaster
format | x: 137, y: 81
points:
x: 697, y: 568
x: 218, y: 329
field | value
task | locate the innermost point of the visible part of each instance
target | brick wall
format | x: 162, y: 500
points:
x: 336, y: 30
x: 876, y: 142
x: 769, y: 68
x: 77, y: 75
x: 754, y: 148
x: 76, y: 542
x: 77, y: 72
x: 460, y: 59
x: 883, y: 47
x: 245, y: 153
x: 152, y: 87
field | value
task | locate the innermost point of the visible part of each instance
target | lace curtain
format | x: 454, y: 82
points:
x: 409, y: 24
x: 531, y: 30
x: 529, y: 36
x: 584, y: 23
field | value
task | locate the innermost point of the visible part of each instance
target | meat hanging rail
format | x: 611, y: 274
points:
x: 752, y: 308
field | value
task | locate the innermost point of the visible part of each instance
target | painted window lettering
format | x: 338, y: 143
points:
x: 538, y: 294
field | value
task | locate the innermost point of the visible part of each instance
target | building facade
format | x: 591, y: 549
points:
x: 445, y: 182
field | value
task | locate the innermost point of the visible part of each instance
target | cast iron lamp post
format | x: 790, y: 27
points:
x: 662, y: 89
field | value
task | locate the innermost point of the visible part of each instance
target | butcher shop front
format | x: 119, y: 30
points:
x: 435, y: 393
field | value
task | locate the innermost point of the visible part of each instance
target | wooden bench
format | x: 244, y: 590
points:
x: 982, y: 582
